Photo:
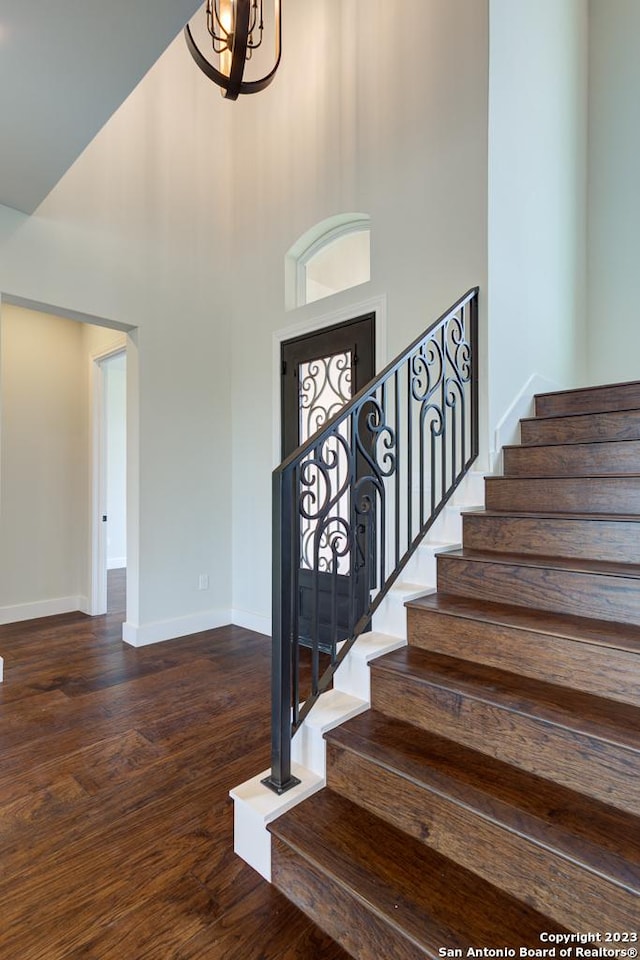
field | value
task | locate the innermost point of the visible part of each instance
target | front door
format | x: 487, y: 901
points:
x: 320, y: 373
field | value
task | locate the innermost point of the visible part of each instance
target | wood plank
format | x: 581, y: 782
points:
x: 381, y: 893
x: 615, y: 396
x: 585, y: 744
x: 571, y: 858
x: 576, y: 587
x: 593, y: 656
x: 581, y: 428
x: 283, y: 931
x: 573, y: 459
x: 593, y: 537
x: 115, y: 821
x: 610, y: 495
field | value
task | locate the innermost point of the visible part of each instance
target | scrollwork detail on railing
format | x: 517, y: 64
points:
x: 332, y: 541
x: 426, y: 369
x: 324, y: 463
x: 458, y: 350
x: 379, y: 434
x: 432, y: 414
x: 352, y: 504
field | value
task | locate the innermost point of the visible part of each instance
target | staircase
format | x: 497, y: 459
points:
x: 492, y: 793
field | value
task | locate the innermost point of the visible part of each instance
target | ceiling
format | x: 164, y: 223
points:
x: 65, y: 68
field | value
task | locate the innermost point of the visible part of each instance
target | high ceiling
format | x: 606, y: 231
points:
x: 65, y: 67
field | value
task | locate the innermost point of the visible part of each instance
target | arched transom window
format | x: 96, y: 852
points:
x: 332, y: 256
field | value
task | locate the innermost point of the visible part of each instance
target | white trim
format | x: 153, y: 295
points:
x: 116, y: 563
x: 98, y: 574
x: 353, y: 676
x: 40, y: 307
x: 252, y: 621
x: 98, y: 584
x: 376, y: 305
x: 109, y: 352
x: 310, y: 243
x: 42, y: 608
x: 1, y: 670
x: 255, y: 806
x: 507, y: 430
x: 141, y: 635
x: 334, y: 707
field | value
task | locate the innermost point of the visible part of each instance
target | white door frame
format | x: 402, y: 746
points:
x: 98, y: 499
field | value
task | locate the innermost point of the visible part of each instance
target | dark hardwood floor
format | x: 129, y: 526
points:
x: 115, y: 821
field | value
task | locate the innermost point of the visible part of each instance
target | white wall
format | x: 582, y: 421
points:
x: 614, y: 197
x: 363, y: 115
x: 43, y: 460
x: 115, y: 388
x: 537, y: 196
x: 137, y: 234
x: 175, y: 222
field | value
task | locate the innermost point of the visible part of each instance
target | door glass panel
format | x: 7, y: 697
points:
x: 325, y: 387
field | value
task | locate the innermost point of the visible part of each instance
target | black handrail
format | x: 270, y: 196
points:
x: 351, y: 505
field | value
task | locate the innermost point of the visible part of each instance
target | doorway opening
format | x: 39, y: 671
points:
x: 109, y: 504
x: 48, y: 394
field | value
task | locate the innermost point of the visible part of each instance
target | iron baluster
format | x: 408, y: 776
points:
x: 331, y: 503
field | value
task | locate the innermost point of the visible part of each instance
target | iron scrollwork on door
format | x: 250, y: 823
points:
x: 325, y: 388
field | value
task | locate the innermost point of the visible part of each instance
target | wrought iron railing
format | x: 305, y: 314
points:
x: 351, y: 505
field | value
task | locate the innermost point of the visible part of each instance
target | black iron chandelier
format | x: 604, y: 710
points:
x: 236, y: 31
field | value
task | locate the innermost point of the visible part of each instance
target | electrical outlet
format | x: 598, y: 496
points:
x: 203, y: 581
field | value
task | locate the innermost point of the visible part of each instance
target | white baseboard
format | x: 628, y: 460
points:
x: 141, y: 635
x: 251, y: 621
x: 84, y: 606
x: 507, y: 431
x: 116, y: 563
x: 42, y: 608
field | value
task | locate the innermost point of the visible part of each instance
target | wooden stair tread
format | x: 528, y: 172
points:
x: 497, y: 771
x: 600, y: 441
x: 581, y: 413
x: 600, y: 458
x: 568, y: 479
x: 548, y: 515
x: 604, y: 493
x: 584, y: 830
x: 578, y: 426
x: 605, y: 720
x: 593, y: 536
x: 599, y: 567
x: 613, y: 494
x: 422, y: 895
x: 606, y: 633
x: 598, y: 399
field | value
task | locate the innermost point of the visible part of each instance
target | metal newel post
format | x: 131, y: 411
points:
x: 283, y: 555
